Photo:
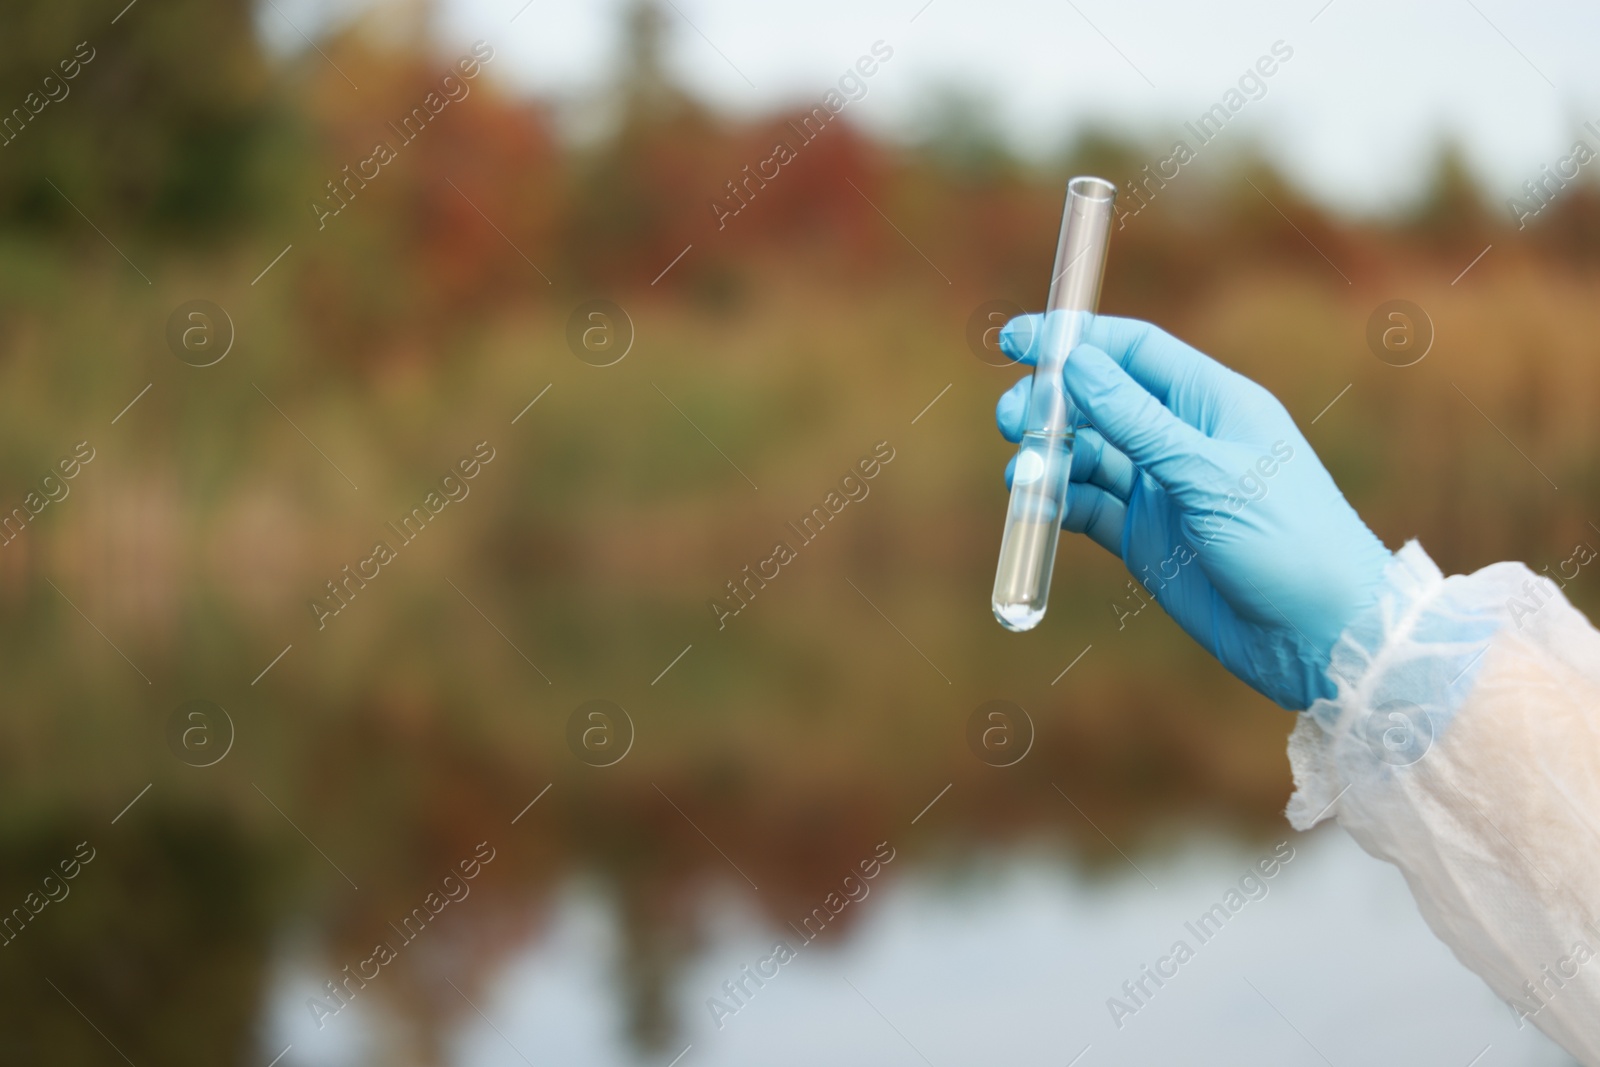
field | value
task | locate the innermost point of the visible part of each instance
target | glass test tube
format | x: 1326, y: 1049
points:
x: 1044, y: 456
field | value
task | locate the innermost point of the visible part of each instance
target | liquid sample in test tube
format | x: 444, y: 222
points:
x: 1044, y: 456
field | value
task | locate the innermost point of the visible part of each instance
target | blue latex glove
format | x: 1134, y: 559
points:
x: 1198, y: 479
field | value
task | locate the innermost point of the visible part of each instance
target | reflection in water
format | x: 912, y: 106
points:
x: 1013, y: 960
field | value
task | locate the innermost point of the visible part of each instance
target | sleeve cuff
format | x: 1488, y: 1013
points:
x: 1400, y: 671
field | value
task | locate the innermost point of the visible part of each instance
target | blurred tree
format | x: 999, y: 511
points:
x: 410, y: 258
x: 646, y: 90
x: 154, y: 119
x: 1106, y: 152
x: 632, y: 195
x: 1451, y: 213
x: 960, y: 132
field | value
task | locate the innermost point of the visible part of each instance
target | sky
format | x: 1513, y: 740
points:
x: 1354, y: 116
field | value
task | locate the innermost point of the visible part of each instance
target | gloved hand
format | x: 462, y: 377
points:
x: 1198, y: 479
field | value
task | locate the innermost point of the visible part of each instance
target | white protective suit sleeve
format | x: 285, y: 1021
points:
x: 1463, y: 746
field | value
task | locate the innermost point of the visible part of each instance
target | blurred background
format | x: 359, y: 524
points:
x: 274, y: 340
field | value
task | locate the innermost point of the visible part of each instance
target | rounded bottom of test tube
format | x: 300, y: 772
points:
x: 1018, y: 617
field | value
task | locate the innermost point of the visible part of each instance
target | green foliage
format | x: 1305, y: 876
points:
x: 161, y: 127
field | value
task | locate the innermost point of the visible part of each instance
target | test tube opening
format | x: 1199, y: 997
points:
x: 1091, y: 188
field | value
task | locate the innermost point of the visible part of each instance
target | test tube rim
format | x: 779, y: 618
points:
x: 1090, y: 187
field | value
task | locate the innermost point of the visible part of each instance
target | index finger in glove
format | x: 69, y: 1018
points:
x: 1186, y: 380
x: 1136, y: 424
